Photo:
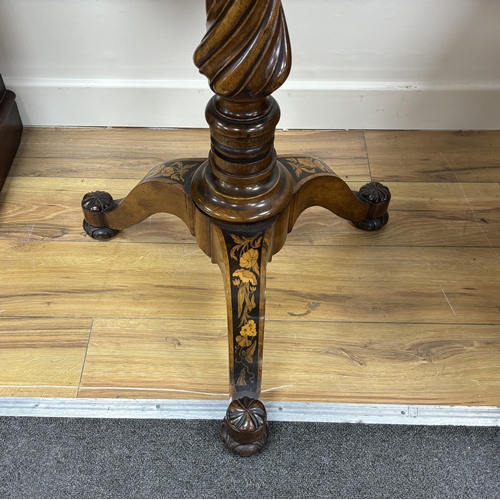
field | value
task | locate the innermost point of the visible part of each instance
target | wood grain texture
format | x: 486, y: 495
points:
x: 112, y: 143
x: 393, y: 363
x: 484, y: 202
x: 177, y: 281
x: 422, y: 215
x: 426, y: 156
x: 48, y: 209
x: 97, y: 280
x: 346, y: 362
x: 118, y: 153
x: 177, y: 359
x: 410, y: 314
x: 42, y: 356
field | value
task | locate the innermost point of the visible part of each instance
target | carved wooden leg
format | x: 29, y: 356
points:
x: 315, y: 184
x: 242, y: 254
x: 166, y: 188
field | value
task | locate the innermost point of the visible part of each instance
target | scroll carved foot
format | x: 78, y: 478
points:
x: 244, y: 430
x: 376, y: 194
x: 317, y: 185
x: 166, y: 188
x: 94, y: 204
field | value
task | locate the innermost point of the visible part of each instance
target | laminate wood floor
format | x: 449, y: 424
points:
x: 410, y: 314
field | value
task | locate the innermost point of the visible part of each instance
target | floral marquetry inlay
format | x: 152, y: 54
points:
x: 245, y: 255
x: 304, y: 166
x: 176, y: 170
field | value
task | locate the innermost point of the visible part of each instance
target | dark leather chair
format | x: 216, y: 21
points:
x: 11, y: 128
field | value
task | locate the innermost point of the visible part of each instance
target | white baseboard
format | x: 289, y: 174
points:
x: 277, y: 411
x: 304, y: 105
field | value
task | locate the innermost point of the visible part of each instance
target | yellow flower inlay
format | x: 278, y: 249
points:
x: 250, y: 329
x: 246, y: 276
x: 249, y: 259
x: 167, y: 171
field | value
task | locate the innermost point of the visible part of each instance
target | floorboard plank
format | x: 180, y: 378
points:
x: 42, y: 356
x: 304, y: 361
x: 451, y: 285
x: 431, y: 156
x: 375, y: 363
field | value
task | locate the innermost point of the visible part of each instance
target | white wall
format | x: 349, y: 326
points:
x: 421, y: 64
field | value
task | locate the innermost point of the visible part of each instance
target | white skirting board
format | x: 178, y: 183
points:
x: 277, y: 411
x: 304, y: 105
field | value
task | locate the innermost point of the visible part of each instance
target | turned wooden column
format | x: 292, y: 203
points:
x: 245, y: 56
x: 242, y: 201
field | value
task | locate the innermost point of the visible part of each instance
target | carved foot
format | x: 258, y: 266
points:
x: 94, y: 204
x: 376, y: 194
x: 244, y: 430
x: 317, y: 185
x: 165, y: 189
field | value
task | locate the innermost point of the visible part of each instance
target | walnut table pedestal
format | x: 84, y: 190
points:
x: 242, y: 200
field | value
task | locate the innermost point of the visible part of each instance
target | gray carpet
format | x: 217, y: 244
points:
x: 80, y: 458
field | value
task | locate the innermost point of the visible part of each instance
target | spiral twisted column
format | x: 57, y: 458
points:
x: 246, y: 56
x: 246, y: 51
